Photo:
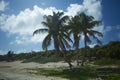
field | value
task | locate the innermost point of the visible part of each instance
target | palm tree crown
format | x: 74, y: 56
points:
x: 87, y: 23
x: 84, y: 24
x: 55, y: 27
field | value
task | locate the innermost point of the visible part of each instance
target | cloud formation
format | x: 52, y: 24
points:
x: 108, y: 28
x: 3, y: 52
x: 24, y: 23
x: 3, y: 5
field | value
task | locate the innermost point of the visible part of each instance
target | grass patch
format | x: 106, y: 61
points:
x: 66, y: 73
x: 107, y: 61
x: 86, y: 73
x: 43, y: 59
x: 111, y: 77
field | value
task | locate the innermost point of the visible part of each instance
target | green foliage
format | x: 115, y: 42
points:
x: 108, y: 54
x: 110, y: 50
x: 112, y: 77
x: 66, y: 73
x: 45, y: 57
x: 107, y: 61
x: 2, y: 58
x: 9, y: 56
x: 55, y: 26
x: 86, y: 73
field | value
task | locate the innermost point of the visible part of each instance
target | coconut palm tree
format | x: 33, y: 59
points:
x: 87, y: 25
x: 75, y: 29
x: 55, y: 27
x: 74, y: 26
x: 82, y: 25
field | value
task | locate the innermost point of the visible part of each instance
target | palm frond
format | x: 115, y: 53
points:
x: 97, y: 33
x: 66, y: 43
x: 67, y: 37
x: 93, y: 24
x: 98, y: 41
x: 76, y: 41
x: 62, y: 45
x: 86, y: 38
x: 40, y: 31
x: 93, y: 33
x: 46, y: 42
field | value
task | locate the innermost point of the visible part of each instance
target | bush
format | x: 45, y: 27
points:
x: 112, y: 77
x: 107, y: 61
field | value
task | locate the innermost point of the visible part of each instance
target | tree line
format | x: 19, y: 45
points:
x: 107, y: 51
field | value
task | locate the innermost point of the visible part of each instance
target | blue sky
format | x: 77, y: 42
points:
x: 19, y: 18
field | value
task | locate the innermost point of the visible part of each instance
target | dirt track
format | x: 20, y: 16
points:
x: 19, y: 71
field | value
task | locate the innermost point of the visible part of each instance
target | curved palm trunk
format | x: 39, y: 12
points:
x: 67, y: 59
x: 77, y: 57
x: 84, y: 53
x: 76, y: 44
x: 56, y: 45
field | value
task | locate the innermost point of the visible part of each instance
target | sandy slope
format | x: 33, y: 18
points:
x: 19, y: 71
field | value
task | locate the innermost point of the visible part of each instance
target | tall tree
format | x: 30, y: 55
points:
x: 87, y: 25
x: 82, y: 25
x: 75, y: 29
x: 10, y: 56
x: 55, y: 26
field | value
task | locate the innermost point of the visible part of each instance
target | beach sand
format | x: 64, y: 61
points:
x: 20, y: 71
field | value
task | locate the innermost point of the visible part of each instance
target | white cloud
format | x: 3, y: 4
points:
x: 3, y: 52
x: 93, y: 8
x: 3, y: 5
x: 90, y: 7
x: 108, y: 28
x: 92, y: 45
x: 118, y: 27
x: 24, y: 23
x: 74, y: 8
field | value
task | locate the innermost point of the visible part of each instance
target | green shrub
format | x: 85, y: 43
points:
x: 107, y: 61
x: 112, y: 77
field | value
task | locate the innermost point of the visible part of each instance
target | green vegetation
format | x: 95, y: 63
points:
x: 107, y: 61
x: 86, y: 73
x: 67, y: 73
x: 108, y: 54
x: 10, y: 56
x: 44, y: 57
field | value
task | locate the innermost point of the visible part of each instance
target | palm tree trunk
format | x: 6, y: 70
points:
x: 77, y: 57
x: 67, y: 60
x: 56, y: 44
x: 84, y: 54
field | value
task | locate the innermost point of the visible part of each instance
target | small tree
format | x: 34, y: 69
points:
x: 10, y: 56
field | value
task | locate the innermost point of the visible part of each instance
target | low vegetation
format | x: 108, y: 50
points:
x: 99, y: 56
x: 86, y: 73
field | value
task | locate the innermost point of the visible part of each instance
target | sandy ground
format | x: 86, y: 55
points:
x: 19, y: 71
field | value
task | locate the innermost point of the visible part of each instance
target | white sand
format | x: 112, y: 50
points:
x: 19, y: 71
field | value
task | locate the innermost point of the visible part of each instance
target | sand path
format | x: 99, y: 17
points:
x: 19, y: 71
